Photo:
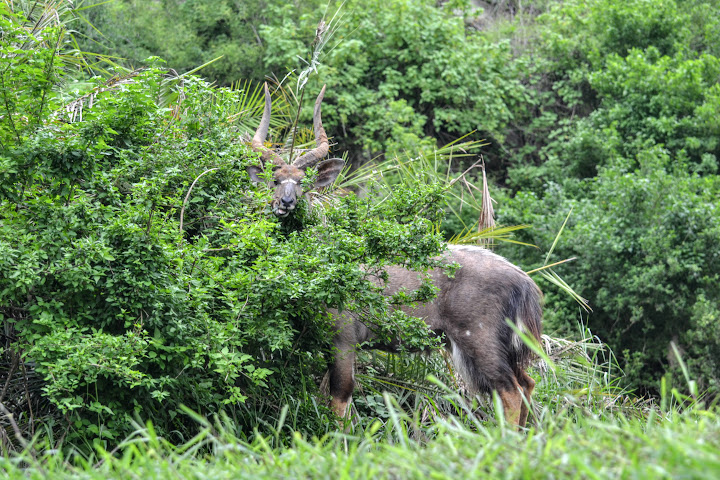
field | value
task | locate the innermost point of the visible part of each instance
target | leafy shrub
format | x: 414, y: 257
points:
x: 131, y: 293
x: 408, y: 70
x: 645, y: 242
x: 185, y: 33
x: 611, y: 77
x: 662, y: 101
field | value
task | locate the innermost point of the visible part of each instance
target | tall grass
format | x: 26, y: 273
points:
x: 591, y: 432
x: 583, y: 426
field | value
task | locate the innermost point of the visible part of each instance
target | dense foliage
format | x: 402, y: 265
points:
x: 186, y: 33
x: 606, y: 107
x: 639, y: 166
x: 406, y: 71
x: 140, y: 270
x: 400, y: 74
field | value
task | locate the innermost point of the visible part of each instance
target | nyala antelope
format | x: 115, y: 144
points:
x: 287, y: 178
x: 470, y: 309
x: 470, y: 312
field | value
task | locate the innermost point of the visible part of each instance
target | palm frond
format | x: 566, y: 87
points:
x: 486, y: 221
x: 503, y: 234
x: 247, y: 108
x: 436, y: 168
x: 42, y: 18
x: 557, y: 237
x: 41, y: 15
x: 545, y: 267
x: 587, y: 374
x: 556, y: 280
x: 73, y: 111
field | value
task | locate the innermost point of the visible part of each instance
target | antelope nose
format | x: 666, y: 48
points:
x: 287, y: 201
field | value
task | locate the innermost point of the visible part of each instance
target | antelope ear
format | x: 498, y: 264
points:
x: 253, y: 171
x: 328, y: 171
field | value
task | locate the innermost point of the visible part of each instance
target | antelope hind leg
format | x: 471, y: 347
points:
x: 528, y: 385
x: 512, y: 405
x: 339, y: 406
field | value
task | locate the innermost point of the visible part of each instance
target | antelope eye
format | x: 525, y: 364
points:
x: 275, y: 181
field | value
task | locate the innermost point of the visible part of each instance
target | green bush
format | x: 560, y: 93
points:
x: 662, y: 101
x: 401, y: 71
x: 647, y: 259
x: 612, y: 77
x: 623, y: 130
x: 129, y: 301
x: 185, y: 33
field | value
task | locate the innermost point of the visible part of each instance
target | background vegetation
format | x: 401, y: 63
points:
x: 609, y: 108
x: 140, y: 271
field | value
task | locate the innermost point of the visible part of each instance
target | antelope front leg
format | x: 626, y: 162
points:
x: 342, y: 381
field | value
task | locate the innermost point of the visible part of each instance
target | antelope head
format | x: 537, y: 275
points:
x: 287, y: 178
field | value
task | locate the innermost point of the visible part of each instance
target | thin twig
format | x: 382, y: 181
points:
x: 464, y: 173
x: 5, y: 91
x: 294, y: 127
x: 182, y: 211
x: 13, y: 367
x: 67, y: 430
x: 49, y: 72
x: 31, y: 418
x: 149, y: 224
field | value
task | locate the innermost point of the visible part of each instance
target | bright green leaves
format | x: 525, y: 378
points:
x: 403, y: 73
x: 661, y: 100
x: 30, y: 69
x: 644, y: 233
x: 635, y: 74
x: 128, y: 293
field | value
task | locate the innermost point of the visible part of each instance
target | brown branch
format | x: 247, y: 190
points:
x: 31, y: 418
x: 294, y: 127
x: 464, y: 173
x: 13, y: 367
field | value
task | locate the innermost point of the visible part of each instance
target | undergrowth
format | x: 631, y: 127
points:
x: 583, y: 426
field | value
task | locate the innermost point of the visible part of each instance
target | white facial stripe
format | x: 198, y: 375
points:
x: 290, y: 180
